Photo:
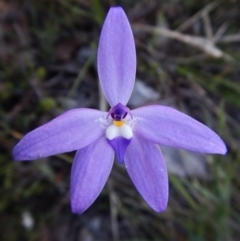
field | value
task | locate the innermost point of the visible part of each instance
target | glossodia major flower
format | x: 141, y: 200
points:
x: 133, y: 135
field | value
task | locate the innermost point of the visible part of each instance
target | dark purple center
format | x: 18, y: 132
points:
x: 119, y: 112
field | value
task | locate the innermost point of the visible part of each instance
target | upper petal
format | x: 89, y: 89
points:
x: 70, y: 131
x: 90, y: 170
x: 169, y: 127
x: 116, y: 57
x: 147, y: 169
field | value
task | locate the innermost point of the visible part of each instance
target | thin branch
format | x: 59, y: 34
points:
x: 102, y: 101
x: 207, y: 26
x: 219, y: 33
x: 113, y: 210
x: 81, y: 75
x: 197, y: 16
x: 230, y: 38
x: 203, y: 44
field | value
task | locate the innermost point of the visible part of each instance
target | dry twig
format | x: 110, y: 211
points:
x: 201, y: 43
x: 197, y: 16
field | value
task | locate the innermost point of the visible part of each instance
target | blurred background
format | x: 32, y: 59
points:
x: 188, y: 57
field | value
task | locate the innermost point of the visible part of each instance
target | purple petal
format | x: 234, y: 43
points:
x: 120, y: 144
x: 90, y: 170
x: 147, y: 169
x: 116, y: 57
x: 70, y: 131
x: 169, y: 127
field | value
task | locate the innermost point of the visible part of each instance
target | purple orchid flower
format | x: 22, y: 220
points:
x: 132, y: 135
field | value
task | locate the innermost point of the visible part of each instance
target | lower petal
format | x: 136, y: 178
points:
x: 120, y: 144
x: 90, y: 170
x: 147, y: 169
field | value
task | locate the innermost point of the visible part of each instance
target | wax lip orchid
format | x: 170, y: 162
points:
x: 132, y: 135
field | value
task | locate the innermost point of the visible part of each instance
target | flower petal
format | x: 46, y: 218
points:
x: 147, y: 169
x: 116, y: 57
x: 169, y: 127
x: 119, y: 145
x: 70, y: 131
x: 90, y: 170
